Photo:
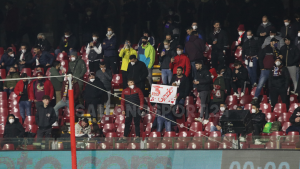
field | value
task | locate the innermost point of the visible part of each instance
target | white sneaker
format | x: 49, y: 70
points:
x: 255, y: 84
x: 257, y: 142
x: 205, y: 122
x: 242, y: 139
x: 55, y: 124
x: 292, y: 92
x: 199, y: 119
x: 242, y: 94
x: 236, y: 94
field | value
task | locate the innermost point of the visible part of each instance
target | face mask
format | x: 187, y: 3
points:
x: 212, y: 76
x: 195, y: 27
x: 109, y: 32
x: 277, y: 63
x: 61, y: 68
x: 240, y: 33
x: 131, y: 86
x: 144, y: 42
x: 286, y: 23
x: 11, y: 121
x: 23, y: 50
x: 95, y: 38
x: 72, y: 58
x: 179, y: 52
x: 67, y: 36
x: 222, y: 109
x: 103, y: 68
x: 92, y: 80
x: 89, y: 13
x: 265, y: 23
x: 253, y: 111
x: 272, y: 36
x: 298, y: 34
x: 132, y: 63
x: 12, y: 55
x: 249, y: 37
x: 166, y: 46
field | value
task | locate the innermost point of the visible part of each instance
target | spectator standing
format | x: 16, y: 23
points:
x: 125, y: 53
x: 39, y: 88
x: 67, y: 43
x: 198, y: 30
x: 288, y: 29
x: 240, y: 76
x: 146, y: 54
x: 83, y: 128
x: 138, y: 72
x: 227, y: 74
x: 105, y: 77
x: 250, y: 55
x: 290, y: 58
x: 56, y: 81
x: 219, y: 41
x: 182, y: 82
x: 94, y: 50
x: 133, y: 96
x: 173, y: 43
x: 9, y: 85
x: 180, y: 60
x: 219, y: 89
x: 242, y: 36
x: 263, y: 30
x: 165, y: 59
x: 8, y: 59
x: 203, y: 82
x: 78, y: 68
x: 109, y: 47
x: 41, y: 58
x: 194, y: 49
x: 23, y: 56
x: 189, y: 30
x: 22, y: 91
x: 151, y: 39
x: 273, y: 34
x: 295, y: 120
x: 45, y: 117
x: 42, y: 42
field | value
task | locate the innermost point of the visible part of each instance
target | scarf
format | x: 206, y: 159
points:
x: 216, y: 32
x: 110, y: 36
x: 240, y: 39
x: 277, y: 71
x: 67, y: 87
x: 66, y: 41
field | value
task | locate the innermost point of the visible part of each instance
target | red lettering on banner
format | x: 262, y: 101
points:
x: 157, y: 91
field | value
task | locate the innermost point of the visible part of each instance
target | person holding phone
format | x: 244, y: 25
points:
x: 165, y: 59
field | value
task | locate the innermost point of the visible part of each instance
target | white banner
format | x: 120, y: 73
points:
x: 163, y: 94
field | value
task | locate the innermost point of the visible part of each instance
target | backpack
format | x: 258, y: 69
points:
x: 275, y: 126
x: 267, y: 127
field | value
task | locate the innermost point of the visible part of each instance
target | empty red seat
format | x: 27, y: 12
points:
x: 265, y: 107
x: 293, y: 98
x: 229, y: 137
x: 238, y: 53
x: 120, y: 146
x: 169, y: 136
x: 104, y: 146
x: 3, y: 120
x: 111, y: 137
x: 90, y: 146
x: 191, y: 109
x: 163, y: 146
x: 3, y: 112
x: 179, y: 145
x: 198, y: 103
x: 293, y: 106
x: 3, y: 95
x: 120, y: 130
x: 246, y: 99
x: 106, y: 119
x: 231, y: 100
x: 280, y: 108
x: 150, y: 146
x: 191, y: 118
x: 210, y: 145
x: 148, y: 118
x: 33, y: 128
x: 65, y: 65
x: 119, y: 120
x: 184, y: 136
x: 148, y: 129
x: 62, y: 56
x: 232, y: 107
x: 189, y: 100
x: 208, y: 126
x: 200, y: 136
x: 195, y: 127
x: 275, y: 135
x: 271, y: 145
x: 264, y: 99
x: 117, y: 81
x: 285, y: 125
x: 247, y: 106
x: 284, y: 117
x: 270, y: 117
x: 225, y: 145
x: 133, y: 146
x: 82, y: 49
x: 215, y: 136
x: 29, y: 120
x: 117, y: 110
x: 108, y: 127
x: 2, y: 128
x: 3, y: 73
x: 8, y: 147
x: 27, y: 71
x: 254, y: 89
x: 154, y: 137
x: 194, y: 146
x: 292, y: 136
x: 35, y: 71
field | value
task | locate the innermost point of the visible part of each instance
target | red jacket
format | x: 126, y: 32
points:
x: 183, y: 61
x: 75, y: 89
x: 134, y: 95
x: 49, y: 90
x: 19, y: 88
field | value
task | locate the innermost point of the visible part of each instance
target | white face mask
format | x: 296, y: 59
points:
x: 222, y: 109
x: 92, y: 80
x: 212, y: 76
x: 11, y: 121
x: 253, y: 111
x: 265, y: 23
x: 103, y: 68
x: 12, y: 55
x: 67, y: 36
x: 272, y: 36
x: 240, y: 33
x: 299, y: 34
x: 72, y: 58
x: 131, y: 86
x: 179, y: 52
x: 277, y: 63
x: 95, y: 38
x: 195, y: 27
x: 109, y: 32
x: 23, y: 50
x: 132, y: 63
x: 286, y: 23
x: 249, y: 37
x: 166, y: 46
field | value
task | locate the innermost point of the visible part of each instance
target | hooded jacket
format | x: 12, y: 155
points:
x: 48, y: 88
x: 110, y: 46
x: 125, y: 54
x: 182, y: 61
x: 195, y: 48
x: 183, y: 89
x: 14, y: 129
x: 90, y: 93
x: 20, y: 88
x: 290, y: 55
x: 204, y: 78
x: 70, y: 43
x: 146, y: 54
x: 78, y: 69
x: 11, y: 83
x: 280, y: 81
x: 166, y: 59
x: 295, y: 114
x: 268, y: 40
x: 45, y: 117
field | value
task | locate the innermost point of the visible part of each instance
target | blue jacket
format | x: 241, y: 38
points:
x: 110, y: 47
x: 8, y: 60
x: 45, y: 58
x: 188, y: 37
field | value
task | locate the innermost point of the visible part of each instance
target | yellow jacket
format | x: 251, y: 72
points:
x: 124, y: 54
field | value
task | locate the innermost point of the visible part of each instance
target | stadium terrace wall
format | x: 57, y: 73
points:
x: 137, y: 159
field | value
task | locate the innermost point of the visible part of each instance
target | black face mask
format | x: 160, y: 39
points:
x: 41, y: 80
x: 144, y: 42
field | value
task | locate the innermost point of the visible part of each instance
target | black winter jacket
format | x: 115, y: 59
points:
x: 250, y: 47
x: 264, y: 28
x: 173, y: 45
x: 292, y: 59
x: 295, y: 114
x: 166, y: 59
x: 44, y: 44
x: 258, y: 118
x: 242, y: 75
x: 45, y: 117
x: 183, y: 88
x: 205, y: 80
x: 291, y: 32
x: 222, y: 41
x: 281, y: 81
x: 138, y: 72
x: 72, y: 43
x: 195, y: 48
x: 13, y: 130
x: 91, y: 93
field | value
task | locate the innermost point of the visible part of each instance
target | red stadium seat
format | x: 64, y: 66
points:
x: 199, y: 136
x: 147, y: 119
x: 271, y: 145
x: 284, y: 117
x: 150, y: 146
x: 2, y: 128
x: 215, y: 136
x: 111, y: 137
x: 133, y: 146
x: 163, y: 146
x: 117, y: 81
x: 120, y: 130
x: 231, y: 66
x: 210, y: 145
x: 154, y: 137
x: 286, y: 125
x: 232, y: 107
x: 3, y: 119
x: 264, y: 99
x: 8, y: 147
x: 106, y: 119
x: 191, y: 109
x: 293, y: 106
x: 90, y: 146
x: 225, y: 145
x: 60, y: 146
x: 120, y: 146
x: 189, y: 100
x: 179, y: 146
x: 230, y: 136
x: 184, y: 136
x: 208, y: 126
x: 3, y: 95
x: 29, y: 120
x: 169, y: 136
x: 182, y: 126
x: 104, y: 146
x: 195, y: 127
x: 231, y: 100
x: 119, y: 120
x: 148, y: 129
x: 108, y: 127
x: 3, y: 73
x: 274, y: 135
x: 246, y: 99
x: 65, y: 65
x: 35, y: 71
x: 265, y: 107
x: 82, y: 49
x: 117, y: 110
x: 247, y: 106
x: 198, y: 103
x: 280, y: 108
x: 292, y: 136
x: 254, y: 89
x: 270, y: 117
x: 3, y: 103
x: 31, y: 128
x: 1, y: 50
x: 27, y: 71
x: 191, y: 118
x: 62, y: 56
x: 238, y: 53
x: 293, y: 99
x: 194, y: 146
